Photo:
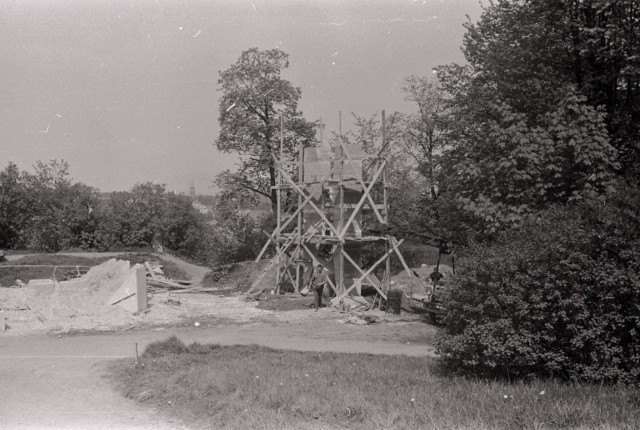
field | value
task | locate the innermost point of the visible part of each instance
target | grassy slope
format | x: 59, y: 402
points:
x: 8, y: 275
x: 255, y: 387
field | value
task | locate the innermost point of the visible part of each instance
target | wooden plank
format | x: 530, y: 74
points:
x: 278, y: 231
x: 361, y: 202
x: 284, y: 249
x: 263, y: 250
x: 313, y: 205
x: 273, y: 260
x: 299, y: 225
x: 150, y: 270
x: 161, y: 283
x: 358, y: 282
x: 394, y: 243
x: 371, y: 269
x: 371, y: 277
x: 359, y: 177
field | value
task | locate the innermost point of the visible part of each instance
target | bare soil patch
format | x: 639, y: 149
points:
x: 68, y: 390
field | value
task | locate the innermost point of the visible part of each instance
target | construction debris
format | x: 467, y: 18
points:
x: 111, y: 283
x: 91, y: 303
x: 132, y: 294
x: 359, y: 319
x: 157, y: 279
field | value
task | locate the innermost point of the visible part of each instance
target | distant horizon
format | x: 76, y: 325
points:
x: 126, y: 91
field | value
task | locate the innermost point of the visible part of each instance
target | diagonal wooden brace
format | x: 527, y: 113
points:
x: 363, y: 199
x: 310, y: 203
x: 359, y: 177
x: 371, y: 277
x: 273, y: 240
x: 395, y: 244
x: 336, y: 300
x: 273, y: 260
x: 277, y: 232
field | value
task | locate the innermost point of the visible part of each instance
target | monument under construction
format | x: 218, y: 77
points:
x: 342, y: 208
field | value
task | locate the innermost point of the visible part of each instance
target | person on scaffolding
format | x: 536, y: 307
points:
x: 316, y: 284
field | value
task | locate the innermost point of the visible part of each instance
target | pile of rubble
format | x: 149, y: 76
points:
x: 106, y: 296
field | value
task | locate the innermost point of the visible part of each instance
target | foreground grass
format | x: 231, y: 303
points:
x: 53, y: 266
x: 211, y: 386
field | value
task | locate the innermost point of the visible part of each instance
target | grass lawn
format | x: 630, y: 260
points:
x: 251, y: 387
x: 52, y: 266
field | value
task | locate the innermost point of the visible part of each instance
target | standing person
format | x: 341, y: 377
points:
x: 316, y: 284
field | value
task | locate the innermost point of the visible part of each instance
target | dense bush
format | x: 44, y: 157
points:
x: 560, y: 297
x: 230, y: 238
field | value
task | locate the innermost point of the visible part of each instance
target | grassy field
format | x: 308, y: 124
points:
x: 240, y: 387
x: 53, y: 266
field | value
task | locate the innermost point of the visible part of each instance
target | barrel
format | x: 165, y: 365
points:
x: 394, y: 301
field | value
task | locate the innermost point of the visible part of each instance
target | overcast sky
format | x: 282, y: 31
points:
x: 127, y: 92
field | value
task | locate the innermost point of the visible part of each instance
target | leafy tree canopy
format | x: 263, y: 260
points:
x: 254, y: 98
x: 527, y: 53
x: 527, y: 131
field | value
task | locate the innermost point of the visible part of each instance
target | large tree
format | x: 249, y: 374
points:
x: 416, y: 142
x: 527, y: 52
x: 526, y: 132
x: 254, y: 98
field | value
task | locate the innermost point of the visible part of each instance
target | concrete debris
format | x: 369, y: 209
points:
x: 360, y: 320
x: 132, y: 294
x: 91, y: 294
x: 85, y: 303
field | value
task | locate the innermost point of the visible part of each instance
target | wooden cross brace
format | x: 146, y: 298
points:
x: 386, y: 255
x: 278, y: 231
x: 275, y: 258
x: 396, y: 244
x: 367, y: 193
x: 300, y: 191
x: 371, y: 277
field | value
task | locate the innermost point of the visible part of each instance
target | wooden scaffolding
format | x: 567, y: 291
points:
x: 335, y: 192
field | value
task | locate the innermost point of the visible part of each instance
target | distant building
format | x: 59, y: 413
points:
x: 203, y: 209
x: 192, y: 191
x: 198, y: 205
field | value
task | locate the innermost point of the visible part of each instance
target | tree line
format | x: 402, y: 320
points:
x: 45, y: 211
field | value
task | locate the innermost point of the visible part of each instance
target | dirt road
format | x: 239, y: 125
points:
x: 58, y: 382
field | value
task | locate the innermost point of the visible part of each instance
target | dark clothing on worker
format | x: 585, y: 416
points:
x: 318, y: 281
